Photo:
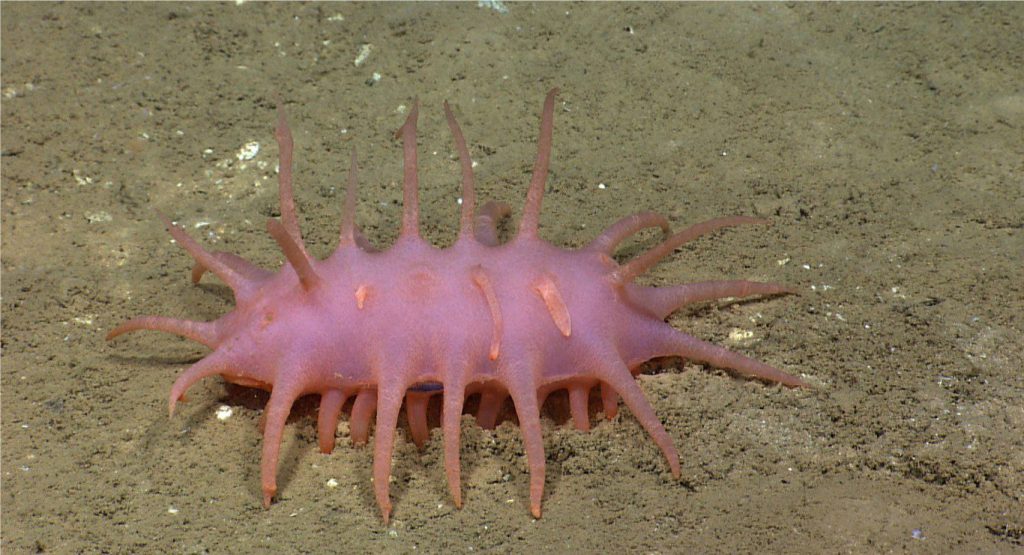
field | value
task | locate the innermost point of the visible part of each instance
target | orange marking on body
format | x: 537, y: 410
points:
x: 484, y: 283
x: 361, y: 293
x: 556, y: 306
x: 422, y: 284
x: 268, y: 318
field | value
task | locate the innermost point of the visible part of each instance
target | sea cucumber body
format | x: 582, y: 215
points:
x: 517, y: 320
x: 421, y: 309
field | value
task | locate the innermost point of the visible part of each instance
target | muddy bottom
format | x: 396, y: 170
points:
x: 883, y: 141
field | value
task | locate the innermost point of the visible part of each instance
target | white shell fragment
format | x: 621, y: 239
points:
x: 248, y: 151
x: 224, y: 412
x: 364, y: 53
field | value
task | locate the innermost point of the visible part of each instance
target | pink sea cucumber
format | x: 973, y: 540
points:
x: 519, y: 319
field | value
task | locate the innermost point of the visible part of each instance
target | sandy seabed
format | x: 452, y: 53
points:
x: 885, y: 141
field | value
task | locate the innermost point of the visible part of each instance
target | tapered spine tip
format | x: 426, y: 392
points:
x: 468, y: 181
x: 535, y: 194
x: 647, y: 260
x: 410, y: 178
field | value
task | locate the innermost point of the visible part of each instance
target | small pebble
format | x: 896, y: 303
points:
x: 364, y: 53
x: 224, y: 412
x: 248, y: 151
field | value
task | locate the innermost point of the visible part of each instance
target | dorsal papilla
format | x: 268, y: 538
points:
x: 410, y: 182
x: 410, y: 189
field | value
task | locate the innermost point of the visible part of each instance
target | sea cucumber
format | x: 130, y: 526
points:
x: 519, y: 319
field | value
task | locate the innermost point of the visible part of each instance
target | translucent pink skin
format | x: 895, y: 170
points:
x: 519, y: 320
